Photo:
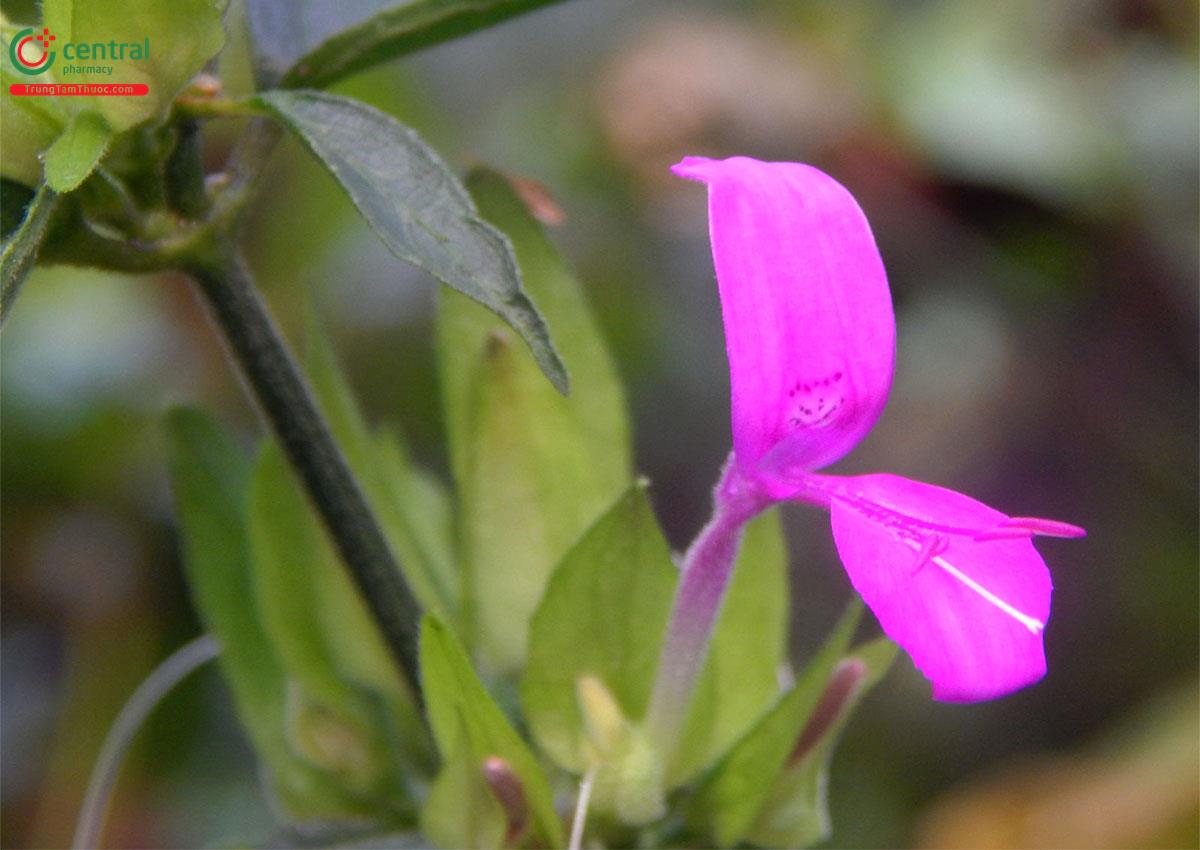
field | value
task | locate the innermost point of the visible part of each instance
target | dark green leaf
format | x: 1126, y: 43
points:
x: 796, y: 813
x: 735, y: 791
x: 534, y: 469
x: 209, y: 475
x: 20, y: 249
x: 453, y: 696
x: 402, y: 28
x: 417, y: 206
x: 603, y: 615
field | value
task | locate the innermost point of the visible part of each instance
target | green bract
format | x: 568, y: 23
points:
x: 459, y: 705
x: 533, y: 468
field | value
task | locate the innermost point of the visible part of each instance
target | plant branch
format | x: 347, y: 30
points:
x: 283, y: 397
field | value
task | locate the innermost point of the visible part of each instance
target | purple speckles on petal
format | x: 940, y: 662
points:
x: 808, y: 316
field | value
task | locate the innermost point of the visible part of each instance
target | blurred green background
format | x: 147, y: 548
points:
x: 1030, y: 170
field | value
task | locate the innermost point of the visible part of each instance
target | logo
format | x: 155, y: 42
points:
x: 22, y: 48
x: 83, y: 62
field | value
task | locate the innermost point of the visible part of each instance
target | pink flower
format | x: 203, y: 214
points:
x: 810, y: 337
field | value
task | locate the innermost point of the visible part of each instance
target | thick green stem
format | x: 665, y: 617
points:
x: 278, y: 387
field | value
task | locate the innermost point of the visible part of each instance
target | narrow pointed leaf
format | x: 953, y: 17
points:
x: 409, y: 505
x: 311, y: 43
x: 454, y: 693
x: 603, y: 615
x: 461, y: 811
x: 796, y: 813
x: 209, y: 475
x: 297, y: 584
x: 808, y: 318
x: 326, y: 638
x: 397, y: 29
x: 417, y: 207
x: 735, y: 791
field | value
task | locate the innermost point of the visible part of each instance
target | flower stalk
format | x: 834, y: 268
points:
x: 704, y: 577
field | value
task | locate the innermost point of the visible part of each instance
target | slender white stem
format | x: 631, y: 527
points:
x: 581, y: 809
x: 130, y: 718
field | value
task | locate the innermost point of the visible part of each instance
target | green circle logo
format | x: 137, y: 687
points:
x: 24, y: 44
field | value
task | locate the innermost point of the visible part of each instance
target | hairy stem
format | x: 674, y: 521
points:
x: 283, y: 397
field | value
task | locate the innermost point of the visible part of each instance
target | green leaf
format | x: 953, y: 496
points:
x: 179, y: 35
x: 454, y: 695
x: 741, y: 676
x: 736, y: 790
x: 75, y: 154
x: 313, y: 612
x: 597, y: 398
x: 603, y: 615
x: 534, y: 469
x: 796, y: 813
x: 326, y: 638
x: 30, y: 123
x: 411, y: 507
x: 461, y: 811
x: 209, y: 475
x: 20, y: 249
x: 417, y: 206
x: 393, y: 32
x: 418, y: 516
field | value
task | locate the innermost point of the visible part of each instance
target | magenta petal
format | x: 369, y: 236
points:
x: 808, y: 318
x: 969, y: 612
